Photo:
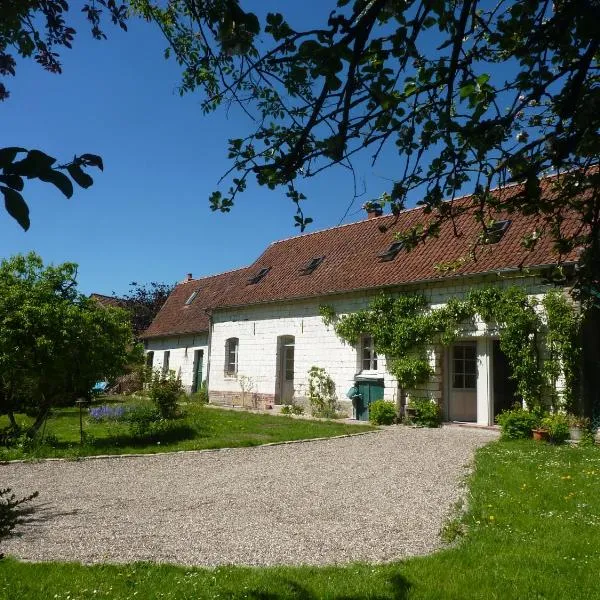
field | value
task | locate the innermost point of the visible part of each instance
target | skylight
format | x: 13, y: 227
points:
x: 311, y: 265
x: 191, y: 298
x: 495, y: 231
x: 391, y: 252
x: 260, y: 275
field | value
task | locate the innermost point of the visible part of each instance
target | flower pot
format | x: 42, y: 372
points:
x: 540, y: 434
x: 575, y: 433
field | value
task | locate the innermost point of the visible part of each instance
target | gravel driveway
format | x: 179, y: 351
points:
x: 373, y: 497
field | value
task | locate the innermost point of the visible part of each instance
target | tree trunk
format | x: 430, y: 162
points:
x: 40, y: 419
x: 11, y: 418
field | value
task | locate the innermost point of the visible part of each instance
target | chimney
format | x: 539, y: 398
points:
x: 188, y: 277
x: 373, y: 209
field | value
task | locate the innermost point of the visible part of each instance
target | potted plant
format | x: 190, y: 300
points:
x: 557, y: 426
x: 577, y: 425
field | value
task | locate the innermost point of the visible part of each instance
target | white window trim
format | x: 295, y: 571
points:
x: 232, y: 374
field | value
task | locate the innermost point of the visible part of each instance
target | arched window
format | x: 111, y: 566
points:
x: 231, y: 356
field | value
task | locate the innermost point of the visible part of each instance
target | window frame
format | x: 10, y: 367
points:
x: 232, y: 345
x: 166, y: 362
x: 463, y: 373
x: 367, y: 345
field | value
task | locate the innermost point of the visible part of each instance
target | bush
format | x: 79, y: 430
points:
x: 517, y: 423
x: 141, y: 419
x: 382, y: 412
x: 426, y: 412
x: 321, y: 393
x: 557, y: 425
x: 165, y: 391
x: 292, y: 409
x: 9, y: 510
x: 201, y: 396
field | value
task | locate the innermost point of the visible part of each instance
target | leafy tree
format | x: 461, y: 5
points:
x: 470, y: 94
x: 55, y: 343
x: 144, y: 301
x: 37, y: 28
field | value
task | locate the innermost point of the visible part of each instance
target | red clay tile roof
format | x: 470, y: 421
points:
x: 351, y: 262
x: 175, y: 317
x: 107, y: 300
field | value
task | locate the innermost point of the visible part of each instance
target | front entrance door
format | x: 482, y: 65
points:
x: 463, y: 382
x: 369, y: 390
x: 286, y: 369
x: 198, y: 364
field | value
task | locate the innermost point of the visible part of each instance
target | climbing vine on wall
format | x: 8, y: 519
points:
x: 406, y: 327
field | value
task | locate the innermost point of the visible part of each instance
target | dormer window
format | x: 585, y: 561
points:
x: 495, y: 231
x: 311, y: 266
x: 191, y: 298
x: 391, y: 252
x: 260, y: 275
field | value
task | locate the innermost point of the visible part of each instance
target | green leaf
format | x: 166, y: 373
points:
x: 60, y: 180
x: 483, y: 79
x: 79, y: 176
x: 466, y: 90
x: 16, y: 207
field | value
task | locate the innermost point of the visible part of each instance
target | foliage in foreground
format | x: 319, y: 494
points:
x: 39, y: 28
x: 10, y: 515
x: 465, y: 95
x: 532, y: 526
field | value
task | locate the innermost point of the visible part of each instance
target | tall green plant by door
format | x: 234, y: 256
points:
x: 405, y: 327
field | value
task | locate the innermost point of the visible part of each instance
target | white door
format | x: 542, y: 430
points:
x: 463, y: 382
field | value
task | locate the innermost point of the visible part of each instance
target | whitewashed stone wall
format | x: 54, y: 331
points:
x: 181, y: 359
x: 259, y: 327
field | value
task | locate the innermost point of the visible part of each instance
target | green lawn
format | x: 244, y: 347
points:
x: 201, y: 428
x: 533, y: 527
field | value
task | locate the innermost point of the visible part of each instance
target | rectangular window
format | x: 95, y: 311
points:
x: 231, y: 356
x: 464, y: 366
x: 369, y: 356
x: 289, y: 363
x: 311, y: 266
x: 495, y: 231
x: 150, y: 359
x: 191, y: 298
x: 259, y: 276
x: 391, y: 252
x: 166, y: 358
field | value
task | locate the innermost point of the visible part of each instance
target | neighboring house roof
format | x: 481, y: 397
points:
x: 351, y: 261
x: 107, y: 300
x: 178, y: 318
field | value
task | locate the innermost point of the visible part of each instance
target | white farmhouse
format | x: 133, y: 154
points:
x: 254, y: 333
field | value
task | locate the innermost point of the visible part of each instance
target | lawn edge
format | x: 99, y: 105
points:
x: 203, y: 450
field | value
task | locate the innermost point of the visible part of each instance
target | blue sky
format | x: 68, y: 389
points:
x: 146, y: 218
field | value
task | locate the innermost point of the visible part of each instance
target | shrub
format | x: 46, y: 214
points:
x: 201, y: 396
x: 141, y: 418
x: 426, y: 412
x: 292, y: 409
x: 557, y: 425
x: 382, y: 412
x: 517, y: 423
x: 165, y: 390
x: 9, y: 510
x: 321, y: 393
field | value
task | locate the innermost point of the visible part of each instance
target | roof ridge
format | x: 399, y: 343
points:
x: 195, y: 279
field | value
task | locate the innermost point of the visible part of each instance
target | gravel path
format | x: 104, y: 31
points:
x: 374, y: 497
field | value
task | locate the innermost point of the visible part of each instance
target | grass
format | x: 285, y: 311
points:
x: 200, y: 428
x: 532, y: 525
